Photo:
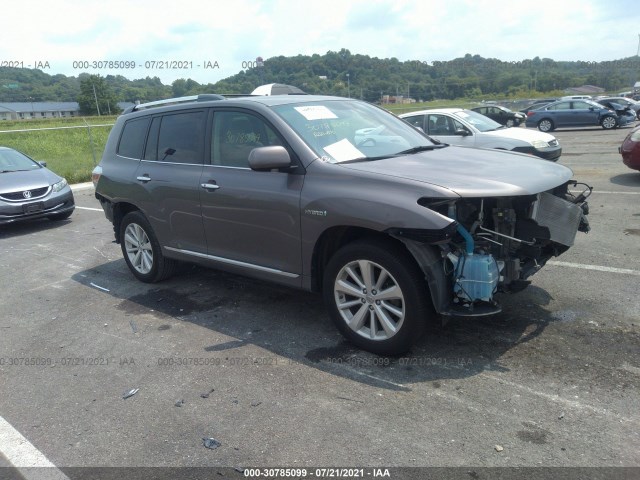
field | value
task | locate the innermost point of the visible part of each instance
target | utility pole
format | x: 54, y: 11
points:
x: 96, y: 98
x: 348, y: 86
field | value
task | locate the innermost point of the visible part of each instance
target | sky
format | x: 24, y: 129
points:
x: 211, y: 40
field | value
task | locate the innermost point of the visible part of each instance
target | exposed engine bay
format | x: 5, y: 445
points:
x: 502, y: 241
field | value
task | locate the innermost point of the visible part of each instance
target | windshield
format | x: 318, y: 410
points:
x: 344, y: 130
x: 13, y: 161
x: 479, y: 121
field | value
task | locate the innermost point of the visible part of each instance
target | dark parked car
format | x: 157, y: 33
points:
x: 337, y: 196
x: 630, y: 149
x: 571, y: 113
x: 29, y: 190
x: 625, y: 102
x: 502, y: 115
x: 626, y: 116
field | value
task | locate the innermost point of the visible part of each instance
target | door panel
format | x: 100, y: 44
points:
x: 249, y: 216
x: 168, y: 179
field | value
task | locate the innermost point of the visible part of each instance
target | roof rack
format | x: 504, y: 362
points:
x: 203, y: 97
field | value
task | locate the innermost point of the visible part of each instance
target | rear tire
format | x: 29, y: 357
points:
x: 142, y: 251
x: 377, y: 296
x: 510, y: 123
x: 545, y: 125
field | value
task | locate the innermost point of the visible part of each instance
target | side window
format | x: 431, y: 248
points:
x: 235, y: 134
x: 440, y: 125
x: 458, y: 126
x: 151, y: 149
x: 181, y: 137
x: 581, y: 106
x: 560, y: 106
x: 133, y: 137
x: 416, y: 121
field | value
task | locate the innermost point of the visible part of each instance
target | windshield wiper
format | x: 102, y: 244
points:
x: 410, y: 151
x: 361, y: 159
x: 422, y: 148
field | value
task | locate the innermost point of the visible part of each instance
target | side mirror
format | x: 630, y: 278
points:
x: 269, y: 158
x: 462, y: 132
x: 42, y: 163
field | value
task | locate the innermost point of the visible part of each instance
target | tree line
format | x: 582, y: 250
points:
x: 337, y: 73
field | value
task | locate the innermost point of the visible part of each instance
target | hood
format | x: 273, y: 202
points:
x: 29, y: 180
x: 521, y: 134
x: 472, y: 172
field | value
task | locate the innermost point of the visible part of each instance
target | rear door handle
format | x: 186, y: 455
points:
x: 210, y: 186
x: 143, y: 178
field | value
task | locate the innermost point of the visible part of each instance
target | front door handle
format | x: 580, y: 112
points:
x: 143, y: 178
x: 210, y: 186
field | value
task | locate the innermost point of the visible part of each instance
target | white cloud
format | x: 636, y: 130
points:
x: 234, y: 32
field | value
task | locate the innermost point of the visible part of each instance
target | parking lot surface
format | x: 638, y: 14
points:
x: 553, y: 381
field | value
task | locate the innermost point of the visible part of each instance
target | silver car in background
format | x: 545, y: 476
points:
x: 28, y: 190
x: 466, y: 128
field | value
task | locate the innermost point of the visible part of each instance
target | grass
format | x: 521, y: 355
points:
x: 412, y: 107
x: 69, y: 152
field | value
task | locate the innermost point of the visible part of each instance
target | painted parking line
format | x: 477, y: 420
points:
x: 27, y: 459
x: 599, y: 268
x: 89, y: 208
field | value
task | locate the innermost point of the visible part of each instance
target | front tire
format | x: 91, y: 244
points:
x: 545, y: 125
x: 142, y: 251
x: 377, y: 296
x: 510, y: 123
x: 608, y: 122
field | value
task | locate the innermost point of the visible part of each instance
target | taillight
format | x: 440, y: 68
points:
x: 95, y: 175
x: 529, y: 113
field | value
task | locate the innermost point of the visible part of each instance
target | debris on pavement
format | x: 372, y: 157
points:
x: 211, y: 443
x: 499, y: 448
x: 134, y: 327
x: 206, y: 394
x: 179, y: 403
x: 99, y: 287
x: 130, y: 393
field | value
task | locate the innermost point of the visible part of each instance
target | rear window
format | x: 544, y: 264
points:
x: 181, y: 138
x: 133, y: 138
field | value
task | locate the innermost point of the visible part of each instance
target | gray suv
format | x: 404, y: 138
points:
x: 337, y: 196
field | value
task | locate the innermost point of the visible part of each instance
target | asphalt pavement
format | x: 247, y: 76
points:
x: 552, y: 381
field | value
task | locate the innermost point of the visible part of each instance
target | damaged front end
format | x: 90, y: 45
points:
x: 500, y: 242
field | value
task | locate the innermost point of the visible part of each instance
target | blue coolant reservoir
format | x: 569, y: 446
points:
x: 476, y: 276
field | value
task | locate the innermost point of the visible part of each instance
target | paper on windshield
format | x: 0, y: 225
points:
x: 315, y: 112
x: 343, y: 151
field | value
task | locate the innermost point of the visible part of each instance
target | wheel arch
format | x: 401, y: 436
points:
x: 427, y: 258
x: 120, y: 210
x: 331, y: 241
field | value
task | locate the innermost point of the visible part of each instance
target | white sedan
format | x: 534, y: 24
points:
x: 457, y: 126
